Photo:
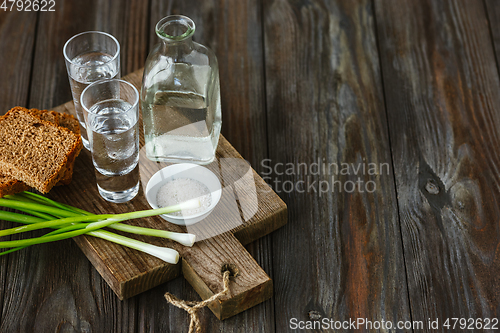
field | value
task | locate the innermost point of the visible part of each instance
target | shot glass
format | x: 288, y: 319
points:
x: 111, y: 113
x: 90, y: 56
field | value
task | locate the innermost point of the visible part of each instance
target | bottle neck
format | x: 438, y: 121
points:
x: 176, y: 29
x: 185, y: 43
x: 177, y: 50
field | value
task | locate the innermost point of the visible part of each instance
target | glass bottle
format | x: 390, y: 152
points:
x: 180, y: 96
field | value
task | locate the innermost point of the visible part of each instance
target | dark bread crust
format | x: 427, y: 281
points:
x: 9, y: 185
x: 32, y: 137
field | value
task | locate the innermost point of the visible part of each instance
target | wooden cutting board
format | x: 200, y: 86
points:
x: 248, y: 210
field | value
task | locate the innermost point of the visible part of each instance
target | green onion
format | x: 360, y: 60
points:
x: 182, y: 238
x: 21, y: 205
x: 164, y: 253
x: 185, y: 239
x: 71, y: 222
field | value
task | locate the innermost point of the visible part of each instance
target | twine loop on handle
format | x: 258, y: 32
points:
x: 193, y: 307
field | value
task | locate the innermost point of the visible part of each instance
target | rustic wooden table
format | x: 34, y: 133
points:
x: 410, y: 84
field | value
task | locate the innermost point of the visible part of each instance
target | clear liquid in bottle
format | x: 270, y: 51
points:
x: 181, y: 126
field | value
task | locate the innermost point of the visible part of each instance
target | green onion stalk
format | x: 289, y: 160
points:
x: 70, y: 222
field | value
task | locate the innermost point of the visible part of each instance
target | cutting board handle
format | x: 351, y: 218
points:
x: 203, y: 269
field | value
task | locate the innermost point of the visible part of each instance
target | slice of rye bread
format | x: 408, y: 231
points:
x: 67, y: 121
x: 9, y: 185
x: 34, y: 150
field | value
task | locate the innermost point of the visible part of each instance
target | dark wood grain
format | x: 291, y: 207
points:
x: 17, y: 30
x: 442, y: 90
x: 54, y: 287
x: 341, y: 253
x: 17, y: 35
x: 493, y: 12
x: 127, y: 21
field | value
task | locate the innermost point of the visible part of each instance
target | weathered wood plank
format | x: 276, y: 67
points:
x: 233, y: 30
x: 17, y: 31
x: 127, y: 21
x: 55, y: 287
x: 341, y: 253
x: 442, y: 94
x: 17, y: 35
x: 493, y: 12
x: 250, y: 285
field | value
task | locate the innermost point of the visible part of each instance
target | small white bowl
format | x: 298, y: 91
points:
x: 184, y: 170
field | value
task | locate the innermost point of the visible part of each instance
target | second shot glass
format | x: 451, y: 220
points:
x: 111, y: 112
